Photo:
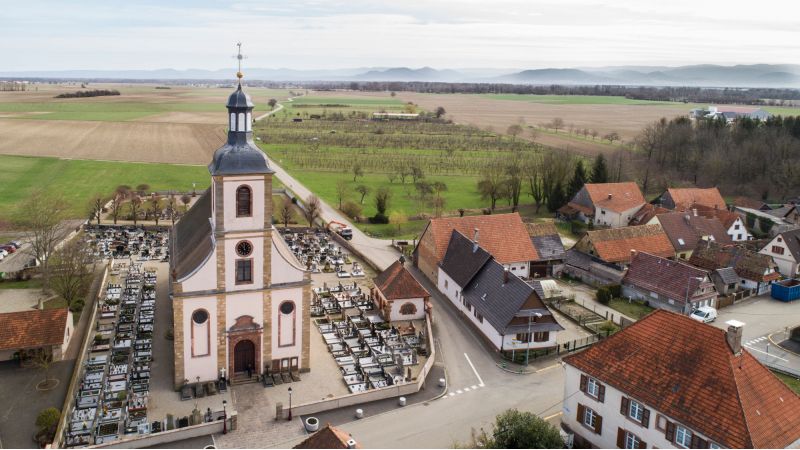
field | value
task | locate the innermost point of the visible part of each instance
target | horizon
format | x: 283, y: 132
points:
x: 313, y: 35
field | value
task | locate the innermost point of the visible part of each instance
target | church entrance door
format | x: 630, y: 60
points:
x: 244, y: 356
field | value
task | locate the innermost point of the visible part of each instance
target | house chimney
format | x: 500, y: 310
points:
x: 351, y: 443
x: 475, y: 241
x: 734, y: 336
x: 687, y: 218
x: 475, y: 235
x: 610, y: 195
x: 505, y: 275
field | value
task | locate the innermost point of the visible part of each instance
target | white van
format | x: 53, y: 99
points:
x: 705, y: 314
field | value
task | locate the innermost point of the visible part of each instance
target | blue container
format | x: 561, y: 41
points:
x: 786, y: 290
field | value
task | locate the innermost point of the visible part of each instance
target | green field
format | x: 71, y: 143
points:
x: 305, y: 106
x: 78, y: 180
x: 575, y: 99
x: 792, y: 382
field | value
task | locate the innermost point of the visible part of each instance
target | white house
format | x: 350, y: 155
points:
x: 30, y: 333
x: 785, y: 251
x: 605, y: 204
x: 398, y: 295
x: 506, y: 310
x: 671, y: 382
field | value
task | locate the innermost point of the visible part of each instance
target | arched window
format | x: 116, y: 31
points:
x: 249, y: 122
x: 200, y: 333
x: 244, y: 201
x: 287, y: 331
x: 241, y: 126
x: 408, y: 309
x: 233, y: 122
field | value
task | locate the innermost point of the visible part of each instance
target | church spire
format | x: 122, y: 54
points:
x: 239, y: 57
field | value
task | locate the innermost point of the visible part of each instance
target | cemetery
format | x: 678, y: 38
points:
x: 128, y: 242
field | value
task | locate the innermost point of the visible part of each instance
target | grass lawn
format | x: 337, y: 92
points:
x: 81, y: 109
x: 33, y: 283
x: 55, y: 303
x: 78, y: 180
x: 634, y: 310
x: 792, y: 382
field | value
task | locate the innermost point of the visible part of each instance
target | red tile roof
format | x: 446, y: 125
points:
x: 396, y: 282
x: 646, y: 213
x: 614, y: 245
x: 746, y: 263
x: 33, y: 328
x: 327, y: 437
x: 727, y: 218
x: 685, y: 230
x: 683, y: 198
x: 673, y: 279
x: 502, y: 235
x: 685, y: 370
x: 617, y: 197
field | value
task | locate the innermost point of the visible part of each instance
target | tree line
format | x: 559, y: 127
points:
x: 92, y: 93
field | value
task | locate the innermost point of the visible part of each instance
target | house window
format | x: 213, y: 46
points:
x: 713, y: 445
x: 635, y: 410
x: 661, y: 423
x: 736, y: 227
x: 244, y: 271
x: 408, y: 309
x: 524, y: 337
x: 632, y: 441
x: 445, y: 284
x: 456, y: 293
x: 683, y: 437
x: 541, y: 336
x: 244, y: 201
x: 590, y: 418
x: 602, y: 211
x: 480, y: 318
x: 593, y: 387
x: 778, y: 250
x: 738, y: 237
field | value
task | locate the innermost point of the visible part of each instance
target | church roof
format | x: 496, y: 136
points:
x: 239, y: 159
x: 192, y: 241
x: 239, y: 99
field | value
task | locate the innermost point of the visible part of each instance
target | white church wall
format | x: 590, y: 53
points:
x: 204, y: 366
x: 205, y: 278
x: 287, y: 329
x: 256, y: 256
x: 256, y: 220
x: 244, y: 304
x: 419, y: 309
x: 284, y: 264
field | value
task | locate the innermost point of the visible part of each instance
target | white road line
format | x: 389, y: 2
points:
x: 459, y: 391
x: 770, y: 354
x: 466, y: 389
x: 474, y: 387
x: 452, y: 394
x: 480, y: 380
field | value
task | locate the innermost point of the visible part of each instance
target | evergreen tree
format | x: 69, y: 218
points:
x: 555, y: 198
x: 578, y: 180
x: 600, y: 170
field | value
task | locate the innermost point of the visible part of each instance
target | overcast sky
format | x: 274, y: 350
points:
x: 326, y: 34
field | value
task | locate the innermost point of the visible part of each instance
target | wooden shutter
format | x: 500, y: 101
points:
x: 670, y: 433
x: 623, y: 407
x: 581, y: 411
x: 646, y: 418
x: 620, y: 438
x: 642, y: 444
x: 601, y: 393
x: 584, y: 382
x: 598, y: 424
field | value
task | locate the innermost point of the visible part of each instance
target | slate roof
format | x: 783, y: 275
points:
x: 396, y: 282
x: 683, y: 198
x: 781, y: 212
x: 502, y: 235
x: 672, y: 279
x: 614, y: 245
x: 685, y: 370
x: 500, y: 303
x: 463, y: 259
x: 617, y: 197
x: 546, y: 241
x: 239, y: 155
x: 32, y: 328
x: 192, y: 241
x: 685, y: 230
x: 327, y: 437
x: 746, y: 263
x: 728, y: 275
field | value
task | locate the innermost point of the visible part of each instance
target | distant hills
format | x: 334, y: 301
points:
x: 755, y: 75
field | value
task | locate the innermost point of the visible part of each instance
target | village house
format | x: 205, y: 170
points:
x: 682, y: 199
x: 785, y: 251
x: 35, y: 332
x: 398, y: 295
x: 729, y: 113
x: 733, y: 223
x: 646, y: 214
x: 763, y: 222
x: 502, y: 235
x: 614, y: 245
x: 753, y: 270
x: 686, y: 229
x: 506, y: 310
x: 549, y: 247
x: 666, y: 284
x: 329, y: 437
x: 604, y: 204
x: 726, y: 280
x: 668, y: 381
x: 788, y: 213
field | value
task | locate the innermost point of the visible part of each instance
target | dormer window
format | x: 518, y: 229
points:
x: 244, y: 201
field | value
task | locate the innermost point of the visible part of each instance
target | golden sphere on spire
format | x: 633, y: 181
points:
x: 239, y: 75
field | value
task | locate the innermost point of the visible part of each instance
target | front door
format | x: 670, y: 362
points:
x: 244, y: 356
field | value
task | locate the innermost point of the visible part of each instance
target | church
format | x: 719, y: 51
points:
x: 241, y: 302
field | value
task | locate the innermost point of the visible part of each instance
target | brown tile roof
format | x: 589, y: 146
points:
x: 747, y: 202
x: 747, y: 263
x: 646, y: 213
x: 396, y: 282
x: 502, y: 235
x: 685, y: 230
x: 727, y: 218
x: 573, y: 208
x: 327, y: 437
x: 685, y: 370
x: 672, y: 279
x: 617, y: 197
x: 685, y: 197
x: 541, y: 229
x: 33, y: 328
x: 614, y: 245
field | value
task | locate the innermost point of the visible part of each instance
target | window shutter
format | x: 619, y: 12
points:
x: 584, y: 382
x: 701, y: 443
x: 598, y: 425
x: 620, y: 438
x: 581, y: 411
x: 670, y: 433
x: 601, y: 393
x: 642, y: 444
x: 694, y: 443
x: 623, y: 408
x: 646, y: 418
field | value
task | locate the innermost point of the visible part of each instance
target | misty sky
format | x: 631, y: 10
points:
x: 304, y: 34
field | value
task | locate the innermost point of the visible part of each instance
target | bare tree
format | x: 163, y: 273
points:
x: 533, y: 169
x: 116, y: 206
x: 514, y: 130
x: 611, y: 137
x: 123, y: 191
x: 135, y: 205
x: 363, y: 190
x: 96, y: 207
x: 313, y: 209
x: 357, y: 171
x: 440, y: 112
x: 557, y: 124
x: 285, y: 212
x: 156, y: 208
x: 142, y: 189
x: 172, y: 207
x: 416, y: 171
x: 272, y: 102
x: 514, y: 174
x: 186, y: 199
x: 594, y: 134
x: 533, y: 133
x: 491, y: 183
x: 341, y: 191
x: 42, y: 216
x: 71, y: 273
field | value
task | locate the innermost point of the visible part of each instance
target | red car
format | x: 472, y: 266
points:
x: 9, y: 248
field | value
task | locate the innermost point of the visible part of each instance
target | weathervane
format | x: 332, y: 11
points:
x: 240, y: 57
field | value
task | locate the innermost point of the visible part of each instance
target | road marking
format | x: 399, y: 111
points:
x: 480, y: 380
x: 549, y: 367
x: 474, y: 387
x: 770, y: 354
x: 466, y: 389
x: 459, y: 391
x: 452, y: 394
x: 554, y: 415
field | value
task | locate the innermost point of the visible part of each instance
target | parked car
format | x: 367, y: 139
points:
x: 3, y: 252
x: 16, y: 244
x: 9, y: 248
x: 705, y: 314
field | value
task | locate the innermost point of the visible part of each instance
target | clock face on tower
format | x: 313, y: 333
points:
x: 244, y: 248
